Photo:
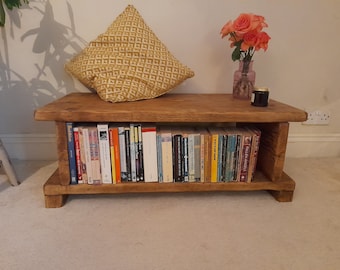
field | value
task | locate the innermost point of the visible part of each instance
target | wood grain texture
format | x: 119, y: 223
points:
x: 64, y: 169
x: 272, y: 151
x: 260, y: 182
x: 177, y: 109
x: 88, y: 107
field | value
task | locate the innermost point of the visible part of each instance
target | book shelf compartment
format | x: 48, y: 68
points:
x: 273, y: 125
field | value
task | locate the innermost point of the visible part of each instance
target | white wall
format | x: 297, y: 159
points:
x: 300, y: 66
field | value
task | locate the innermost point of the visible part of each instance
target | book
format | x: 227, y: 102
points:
x: 197, y: 157
x: 159, y: 156
x: 115, y: 154
x: 256, y: 133
x: 140, y: 154
x: 185, y: 156
x: 166, y: 147
x: 191, y: 157
x: 149, y: 148
x: 207, y: 155
x: 230, y: 159
x: 177, y: 155
x: 87, y: 155
x: 82, y: 155
x: 78, y: 155
x: 95, y: 155
x: 132, y: 150
x: 128, y: 152
x: 71, y: 153
x: 237, y: 154
x: 214, y: 133
x: 124, y: 174
x: 104, y: 153
x: 245, y: 156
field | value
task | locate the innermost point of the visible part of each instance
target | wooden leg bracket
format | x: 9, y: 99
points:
x: 282, y: 196
x: 55, y: 201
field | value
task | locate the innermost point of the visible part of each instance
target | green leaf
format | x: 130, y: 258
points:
x: 2, y: 14
x: 12, y: 3
x: 236, y: 55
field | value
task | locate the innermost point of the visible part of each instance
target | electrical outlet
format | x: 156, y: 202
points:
x: 317, y: 117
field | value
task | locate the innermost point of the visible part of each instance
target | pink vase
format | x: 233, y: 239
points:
x: 244, y: 80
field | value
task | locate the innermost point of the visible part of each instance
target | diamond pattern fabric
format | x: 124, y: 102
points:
x: 128, y: 62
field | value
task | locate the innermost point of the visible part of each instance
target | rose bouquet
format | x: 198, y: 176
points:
x: 246, y: 35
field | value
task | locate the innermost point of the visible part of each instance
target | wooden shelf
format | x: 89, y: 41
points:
x: 179, y: 109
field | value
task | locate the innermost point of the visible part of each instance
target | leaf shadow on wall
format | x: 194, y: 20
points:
x: 54, y: 44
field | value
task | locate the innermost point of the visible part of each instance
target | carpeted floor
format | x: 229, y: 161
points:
x: 238, y: 231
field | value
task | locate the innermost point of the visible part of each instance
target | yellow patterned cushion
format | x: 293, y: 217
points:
x: 128, y: 62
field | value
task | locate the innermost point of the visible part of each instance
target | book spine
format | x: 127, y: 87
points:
x: 230, y: 157
x: 224, y: 158
x: 185, y: 158
x: 133, y: 153
x: 95, y: 156
x: 214, y: 157
x: 191, y: 157
x: 77, y: 154
x: 71, y: 153
x: 202, y: 151
x: 254, y: 153
x: 220, y: 157
x: 207, y: 157
x: 117, y: 156
x: 113, y: 156
x: 197, y: 157
x: 237, y: 157
x: 122, y: 152
x: 246, y: 149
x: 140, y: 154
x: 104, y: 153
x: 82, y: 155
x: 177, y: 158
x: 149, y: 146
x: 87, y: 155
x: 167, y: 165
x: 128, y: 153
x: 159, y: 156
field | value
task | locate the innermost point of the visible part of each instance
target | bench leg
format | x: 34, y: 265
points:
x: 7, y: 166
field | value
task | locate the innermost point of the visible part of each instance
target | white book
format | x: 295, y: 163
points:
x: 149, y: 147
x: 104, y: 153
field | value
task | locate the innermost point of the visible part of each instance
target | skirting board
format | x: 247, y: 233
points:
x: 43, y: 146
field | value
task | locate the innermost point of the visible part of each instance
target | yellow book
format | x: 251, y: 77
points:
x: 214, y: 156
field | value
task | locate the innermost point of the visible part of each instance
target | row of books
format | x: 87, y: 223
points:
x: 102, y: 153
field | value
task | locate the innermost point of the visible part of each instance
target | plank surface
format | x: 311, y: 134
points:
x: 260, y: 183
x: 204, y: 108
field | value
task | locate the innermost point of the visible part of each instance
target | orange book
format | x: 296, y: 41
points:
x: 115, y: 154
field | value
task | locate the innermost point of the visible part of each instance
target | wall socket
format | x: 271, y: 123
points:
x: 317, y: 117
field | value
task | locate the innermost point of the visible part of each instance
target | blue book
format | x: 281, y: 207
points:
x: 71, y: 153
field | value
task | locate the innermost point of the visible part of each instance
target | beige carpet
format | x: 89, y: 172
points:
x: 174, y: 231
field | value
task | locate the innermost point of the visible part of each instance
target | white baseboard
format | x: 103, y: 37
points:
x: 314, y: 145
x: 43, y: 146
x: 30, y: 146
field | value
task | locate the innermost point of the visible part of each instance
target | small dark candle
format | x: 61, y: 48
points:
x: 260, y: 97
